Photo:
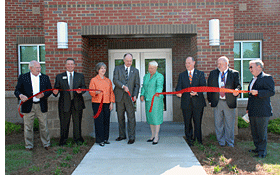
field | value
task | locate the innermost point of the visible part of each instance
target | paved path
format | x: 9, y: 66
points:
x: 170, y: 156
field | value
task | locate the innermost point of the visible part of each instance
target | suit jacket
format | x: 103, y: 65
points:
x: 232, y: 82
x: 119, y: 80
x: 198, y: 79
x: 64, y: 102
x: 24, y: 86
x: 260, y: 106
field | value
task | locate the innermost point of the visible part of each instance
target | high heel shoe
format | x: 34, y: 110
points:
x: 154, y: 143
x: 150, y: 140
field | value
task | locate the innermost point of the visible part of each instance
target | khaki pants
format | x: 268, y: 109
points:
x: 28, y: 126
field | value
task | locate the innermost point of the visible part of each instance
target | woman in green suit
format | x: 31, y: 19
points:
x: 153, y: 83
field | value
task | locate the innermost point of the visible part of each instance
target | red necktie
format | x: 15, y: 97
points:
x: 223, y: 80
x: 190, y: 77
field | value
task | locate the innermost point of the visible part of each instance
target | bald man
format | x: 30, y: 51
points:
x: 224, y: 104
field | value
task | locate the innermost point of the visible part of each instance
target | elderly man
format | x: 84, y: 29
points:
x: 192, y: 103
x: 28, y: 85
x: 224, y: 104
x: 126, y: 78
x: 259, y: 107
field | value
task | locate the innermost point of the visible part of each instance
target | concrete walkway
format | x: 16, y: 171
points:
x: 170, y: 156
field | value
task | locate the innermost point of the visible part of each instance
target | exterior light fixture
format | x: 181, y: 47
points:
x: 62, y: 35
x: 214, y: 32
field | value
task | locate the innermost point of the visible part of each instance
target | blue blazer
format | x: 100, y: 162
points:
x: 260, y: 106
x: 24, y: 86
x: 198, y: 79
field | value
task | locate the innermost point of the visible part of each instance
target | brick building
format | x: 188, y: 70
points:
x: 165, y: 30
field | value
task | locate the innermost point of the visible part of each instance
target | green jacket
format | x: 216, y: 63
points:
x: 152, y: 86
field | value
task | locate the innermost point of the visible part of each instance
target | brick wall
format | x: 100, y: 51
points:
x: 261, y: 17
x: 23, y: 19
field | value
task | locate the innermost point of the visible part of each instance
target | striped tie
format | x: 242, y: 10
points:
x: 190, y: 77
x: 223, y: 80
x: 126, y: 75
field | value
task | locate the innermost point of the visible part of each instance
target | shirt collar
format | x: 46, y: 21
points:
x: 68, y: 73
x: 34, y: 75
x: 224, y: 71
x: 191, y: 71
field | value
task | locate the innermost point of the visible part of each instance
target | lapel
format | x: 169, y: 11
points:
x: 228, y: 76
x: 28, y: 79
x: 194, y: 77
x: 256, y: 82
x: 131, y: 71
x: 75, y: 80
x: 123, y: 70
x: 65, y: 81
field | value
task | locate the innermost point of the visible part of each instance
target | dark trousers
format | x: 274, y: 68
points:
x: 259, y: 133
x: 193, y: 113
x: 127, y: 105
x: 64, y: 118
x: 102, y: 122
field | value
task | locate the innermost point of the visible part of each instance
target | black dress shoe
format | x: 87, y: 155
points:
x: 102, y: 144
x: 150, y: 140
x: 131, y: 141
x: 106, y: 142
x: 120, y: 138
x: 259, y: 156
x: 154, y: 143
x: 253, y: 151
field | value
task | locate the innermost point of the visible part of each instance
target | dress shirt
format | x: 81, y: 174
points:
x: 220, y: 81
x: 35, y: 80
x: 105, y: 85
x: 128, y: 70
x: 252, y: 83
x: 191, y: 72
x: 68, y: 77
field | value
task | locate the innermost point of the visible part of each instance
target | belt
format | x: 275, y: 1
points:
x: 223, y: 99
x: 36, y: 102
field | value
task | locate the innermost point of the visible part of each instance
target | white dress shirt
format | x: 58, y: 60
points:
x: 35, y: 80
x: 252, y: 83
x: 220, y: 81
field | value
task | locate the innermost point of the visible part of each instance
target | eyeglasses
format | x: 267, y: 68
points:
x: 250, y: 67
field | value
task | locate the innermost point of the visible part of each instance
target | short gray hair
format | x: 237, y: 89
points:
x: 191, y: 58
x: 32, y: 63
x: 258, y: 62
x: 225, y: 59
x: 153, y: 63
x: 99, y: 65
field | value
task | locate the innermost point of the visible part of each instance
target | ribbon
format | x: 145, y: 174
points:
x: 198, y: 89
x: 95, y: 116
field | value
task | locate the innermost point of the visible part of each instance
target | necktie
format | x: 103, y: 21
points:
x: 223, y: 85
x: 190, y: 77
x: 71, y: 86
x: 126, y: 75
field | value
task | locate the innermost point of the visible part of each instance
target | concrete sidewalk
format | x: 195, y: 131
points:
x: 170, y: 156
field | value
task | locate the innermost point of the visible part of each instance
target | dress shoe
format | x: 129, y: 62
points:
x: 154, y: 143
x: 106, y: 142
x: 131, y: 141
x: 102, y: 144
x: 120, y: 138
x: 28, y: 149
x: 47, y: 147
x: 253, y: 151
x: 150, y: 140
x: 259, y: 156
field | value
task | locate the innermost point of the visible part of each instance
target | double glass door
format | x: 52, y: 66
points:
x: 141, y: 59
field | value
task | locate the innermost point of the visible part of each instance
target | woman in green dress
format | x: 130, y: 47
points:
x: 153, y: 83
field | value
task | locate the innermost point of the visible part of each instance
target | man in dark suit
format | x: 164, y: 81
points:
x: 192, y: 103
x: 28, y: 85
x: 224, y: 103
x: 70, y: 103
x: 259, y: 107
x: 126, y: 78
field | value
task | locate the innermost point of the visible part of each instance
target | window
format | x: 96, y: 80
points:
x: 244, y: 52
x: 29, y: 52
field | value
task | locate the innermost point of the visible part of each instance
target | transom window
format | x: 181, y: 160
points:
x: 29, y: 52
x: 244, y: 52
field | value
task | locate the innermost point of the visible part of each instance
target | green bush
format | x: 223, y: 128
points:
x: 242, y: 123
x: 36, y: 125
x: 274, y: 126
x: 11, y: 127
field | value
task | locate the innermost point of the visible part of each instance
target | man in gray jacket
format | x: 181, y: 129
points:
x: 126, y: 79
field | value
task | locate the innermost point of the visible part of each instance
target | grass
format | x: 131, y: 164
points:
x: 16, y: 157
x: 271, y: 163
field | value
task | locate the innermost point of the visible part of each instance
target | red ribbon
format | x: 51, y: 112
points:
x: 95, y: 116
x: 198, y: 89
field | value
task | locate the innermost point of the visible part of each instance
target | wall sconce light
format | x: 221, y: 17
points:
x: 62, y: 35
x: 214, y: 32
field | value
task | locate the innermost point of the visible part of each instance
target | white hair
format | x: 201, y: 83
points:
x: 258, y: 62
x: 225, y: 59
x: 32, y: 63
x: 153, y: 63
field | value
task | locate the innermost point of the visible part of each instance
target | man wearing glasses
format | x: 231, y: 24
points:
x: 259, y: 107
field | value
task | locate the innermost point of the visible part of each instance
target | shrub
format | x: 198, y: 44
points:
x: 242, y: 123
x: 36, y: 125
x: 11, y: 127
x: 274, y: 126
